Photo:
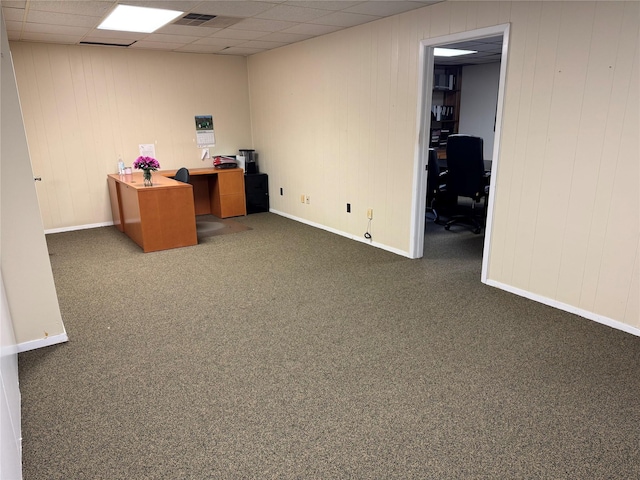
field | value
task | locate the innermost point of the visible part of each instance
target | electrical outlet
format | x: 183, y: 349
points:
x: 308, y: 199
x: 370, y: 213
x: 348, y: 208
x: 301, y: 198
x: 281, y: 191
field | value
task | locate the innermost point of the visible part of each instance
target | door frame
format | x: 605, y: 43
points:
x: 425, y: 86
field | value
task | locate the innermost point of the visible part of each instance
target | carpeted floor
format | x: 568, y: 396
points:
x: 211, y: 226
x: 289, y: 352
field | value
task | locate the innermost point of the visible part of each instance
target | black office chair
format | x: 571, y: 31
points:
x: 182, y: 175
x: 436, y: 186
x: 466, y: 178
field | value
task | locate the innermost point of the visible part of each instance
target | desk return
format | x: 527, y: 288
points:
x: 163, y: 216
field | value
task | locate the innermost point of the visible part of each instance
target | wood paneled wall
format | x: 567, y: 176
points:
x: 335, y: 118
x: 84, y: 106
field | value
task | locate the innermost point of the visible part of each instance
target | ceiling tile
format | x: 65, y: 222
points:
x: 94, y: 8
x: 186, y: 30
x: 324, y: 4
x: 13, y: 14
x: 56, y: 29
x: 42, y: 37
x: 383, y: 8
x: 14, y: 3
x: 284, y: 37
x: 262, y: 25
x: 193, y: 48
x: 178, y: 5
x: 238, y: 34
x: 232, y: 8
x: 123, y: 37
x: 292, y: 14
x: 222, y: 22
x: 13, y: 26
x: 156, y: 45
x: 341, y: 19
x: 261, y: 44
x: 161, y: 38
x: 278, y: 22
x: 311, y: 29
x: 219, y: 42
x: 240, y: 51
x: 62, y: 19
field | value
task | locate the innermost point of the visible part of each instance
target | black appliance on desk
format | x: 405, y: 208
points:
x: 250, y: 164
x: 256, y: 185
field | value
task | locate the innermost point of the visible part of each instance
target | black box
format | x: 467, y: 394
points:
x: 256, y: 188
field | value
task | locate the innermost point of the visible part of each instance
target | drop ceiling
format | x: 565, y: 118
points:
x: 238, y: 28
x: 489, y: 50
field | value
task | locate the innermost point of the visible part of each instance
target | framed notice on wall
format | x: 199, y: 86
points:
x: 205, y: 136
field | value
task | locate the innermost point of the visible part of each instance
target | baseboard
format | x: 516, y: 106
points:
x: 42, y: 342
x: 77, y: 227
x: 343, y: 234
x: 610, y: 322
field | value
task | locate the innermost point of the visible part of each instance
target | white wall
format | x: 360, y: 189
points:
x: 25, y: 265
x: 336, y: 117
x: 10, y: 420
x: 478, y: 102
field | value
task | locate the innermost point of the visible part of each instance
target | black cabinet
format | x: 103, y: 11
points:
x: 256, y: 187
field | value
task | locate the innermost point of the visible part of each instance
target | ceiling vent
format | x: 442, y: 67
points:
x: 201, y: 20
x: 194, y: 19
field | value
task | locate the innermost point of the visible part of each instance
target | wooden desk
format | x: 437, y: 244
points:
x: 157, y: 217
x: 216, y: 191
x: 163, y: 216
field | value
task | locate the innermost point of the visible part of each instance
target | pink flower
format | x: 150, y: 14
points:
x: 146, y: 163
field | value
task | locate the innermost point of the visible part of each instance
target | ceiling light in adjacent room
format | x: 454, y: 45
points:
x: 126, y: 18
x: 451, y: 52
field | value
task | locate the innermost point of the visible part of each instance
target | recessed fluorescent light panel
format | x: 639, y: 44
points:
x: 451, y: 52
x: 126, y: 18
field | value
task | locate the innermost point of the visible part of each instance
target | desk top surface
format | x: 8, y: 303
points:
x: 136, y: 180
x: 162, y: 178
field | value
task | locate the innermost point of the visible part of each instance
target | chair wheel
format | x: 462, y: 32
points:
x: 447, y: 227
x: 477, y: 230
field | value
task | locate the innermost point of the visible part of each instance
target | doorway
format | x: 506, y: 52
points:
x: 426, y: 87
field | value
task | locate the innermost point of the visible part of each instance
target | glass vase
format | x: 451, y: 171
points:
x: 146, y: 174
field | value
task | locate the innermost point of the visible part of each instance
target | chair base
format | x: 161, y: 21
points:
x: 458, y: 219
x: 470, y: 216
x: 436, y: 217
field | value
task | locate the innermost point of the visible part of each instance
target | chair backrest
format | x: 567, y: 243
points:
x: 182, y: 175
x: 465, y: 166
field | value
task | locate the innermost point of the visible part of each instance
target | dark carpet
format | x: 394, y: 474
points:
x: 289, y: 352
x: 210, y: 226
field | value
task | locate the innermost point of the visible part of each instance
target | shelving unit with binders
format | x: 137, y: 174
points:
x: 445, y: 105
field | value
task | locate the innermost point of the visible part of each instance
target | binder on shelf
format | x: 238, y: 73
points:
x: 435, y: 137
x: 442, y: 81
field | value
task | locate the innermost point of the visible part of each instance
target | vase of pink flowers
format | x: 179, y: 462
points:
x: 147, y: 165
